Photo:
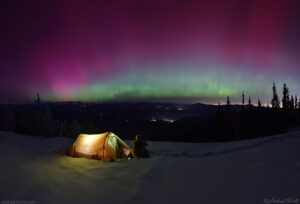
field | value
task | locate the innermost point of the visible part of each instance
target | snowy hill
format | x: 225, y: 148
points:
x: 34, y: 169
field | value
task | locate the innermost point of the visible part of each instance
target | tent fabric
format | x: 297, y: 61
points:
x: 105, y: 146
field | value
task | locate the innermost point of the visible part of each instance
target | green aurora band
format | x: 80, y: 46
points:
x: 173, y: 85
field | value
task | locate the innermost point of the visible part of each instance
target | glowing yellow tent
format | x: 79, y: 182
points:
x: 106, y: 146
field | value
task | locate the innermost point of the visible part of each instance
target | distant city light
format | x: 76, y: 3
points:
x: 153, y: 119
x: 168, y: 120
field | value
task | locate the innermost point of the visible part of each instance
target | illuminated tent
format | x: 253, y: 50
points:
x: 105, y: 146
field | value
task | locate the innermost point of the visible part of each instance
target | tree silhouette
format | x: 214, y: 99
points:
x: 258, y: 103
x: 74, y: 129
x: 249, y: 102
x: 243, y: 101
x: 8, y: 119
x: 285, y: 97
x: 38, y: 99
x: 275, y: 100
x: 48, y: 122
x: 292, y: 105
x: 228, y: 104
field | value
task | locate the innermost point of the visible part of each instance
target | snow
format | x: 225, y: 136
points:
x: 34, y: 169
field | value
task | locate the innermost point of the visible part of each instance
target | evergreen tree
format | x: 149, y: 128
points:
x: 296, y: 102
x: 38, y: 99
x: 292, y: 105
x: 258, y: 103
x: 275, y: 100
x: 250, y: 102
x: 285, y: 97
x: 8, y: 119
x: 61, y: 128
x: 26, y: 118
x: 243, y: 98
x: 74, y: 129
x: 37, y: 121
x: 48, y: 122
x: 228, y: 104
x: 243, y: 101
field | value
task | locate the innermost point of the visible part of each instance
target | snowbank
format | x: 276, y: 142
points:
x: 35, y: 169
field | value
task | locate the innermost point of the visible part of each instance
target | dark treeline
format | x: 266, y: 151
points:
x: 36, y: 120
x: 71, y: 119
x: 193, y: 123
x: 256, y: 121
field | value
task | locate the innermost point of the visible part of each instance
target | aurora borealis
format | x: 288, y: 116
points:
x: 162, y: 50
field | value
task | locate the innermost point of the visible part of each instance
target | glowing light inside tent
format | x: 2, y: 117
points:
x: 97, y: 145
x: 88, y: 144
x: 90, y: 139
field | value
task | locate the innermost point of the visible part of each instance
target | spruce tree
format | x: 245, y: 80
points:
x: 74, y: 129
x: 249, y: 102
x: 228, y: 104
x: 292, y: 105
x: 285, y: 97
x: 243, y: 101
x: 7, y: 119
x: 296, y: 102
x: 38, y: 99
x: 275, y: 100
x: 258, y: 103
x: 48, y: 122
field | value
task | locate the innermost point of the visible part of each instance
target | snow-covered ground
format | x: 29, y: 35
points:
x: 34, y: 169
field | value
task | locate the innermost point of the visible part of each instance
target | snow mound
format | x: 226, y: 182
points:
x: 250, y: 171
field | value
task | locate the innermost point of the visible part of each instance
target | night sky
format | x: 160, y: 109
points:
x: 149, y: 50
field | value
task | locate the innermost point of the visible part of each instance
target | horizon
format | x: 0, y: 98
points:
x: 172, y: 100
x: 141, y: 101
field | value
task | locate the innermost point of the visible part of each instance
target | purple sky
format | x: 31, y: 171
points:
x: 199, y: 51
